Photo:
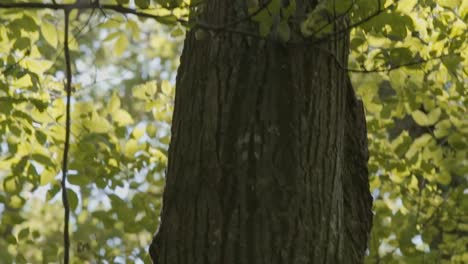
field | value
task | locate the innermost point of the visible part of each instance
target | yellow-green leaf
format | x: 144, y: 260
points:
x: 114, y: 103
x: 443, y: 177
x: 36, y: 66
x: 166, y: 87
x: 138, y: 132
x: 429, y: 119
x: 131, y: 147
x: 49, y: 32
x: 449, y: 3
x: 16, y: 202
x: 24, y: 233
x: 47, y: 176
x: 23, y: 82
x: 145, y: 91
x: 151, y: 130
x: 120, y: 45
x: 11, y: 184
x: 417, y: 145
x: 433, y: 116
x: 442, y: 128
x: 97, y: 124
x: 122, y: 117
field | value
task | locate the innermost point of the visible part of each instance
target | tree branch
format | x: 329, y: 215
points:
x: 81, y: 6
x: 391, y: 68
x: 125, y: 10
x: 66, y: 205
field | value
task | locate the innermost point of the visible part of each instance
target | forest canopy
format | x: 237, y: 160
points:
x: 408, y: 64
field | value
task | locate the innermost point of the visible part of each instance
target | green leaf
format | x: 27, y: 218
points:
x: 177, y: 32
x: 10, y: 238
x: 97, y: 124
x: 264, y: 29
x: 274, y: 7
x: 49, y: 32
x: 443, y: 178
x: 452, y: 62
x: 151, y: 130
x: 26, y: 23
x: 166, y: 87
x: 433, y: 116
x: 43, y: 159
x: 72, y: 199
x: 143, y: 4
x: 167, y: 20
x: 114, y: 103
x: 426, y: 120
x: 458, y: 141
x: 22, y: 43
x: 81, y: 180
x: 123, y: 2
x: 452, y: 4
x: 442, y: 128
x: 20, y: 167
x: 53, y: 191
x: 122, y: 118
x: 24, y: 233
x: 120, y: 45
x: 131, y: 147
x: 401, y: 144
x: 16, y: 202
x: 417, y: 145
x: 11, y: 185
x: 145, y: 91
x: 265, y: 21
x: 284, y: 31
x: 419, y: 117
x: 398, y: 56
x: 290, y: 10
x: 47, y: 176
x: 138, y: 132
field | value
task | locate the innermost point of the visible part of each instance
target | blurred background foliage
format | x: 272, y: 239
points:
x: 124, y: 74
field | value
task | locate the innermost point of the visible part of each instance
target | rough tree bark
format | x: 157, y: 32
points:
x: 268, y: 159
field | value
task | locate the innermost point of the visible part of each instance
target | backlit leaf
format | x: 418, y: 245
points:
x: 122, y: 117
x: 120, y: 45
x: 49, y: 32
x: 426, y: 119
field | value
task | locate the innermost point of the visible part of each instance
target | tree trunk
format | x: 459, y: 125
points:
x: 268, y: 159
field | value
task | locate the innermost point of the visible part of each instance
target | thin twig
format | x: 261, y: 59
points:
x: 383, y: 69
x: 66, y: 205
x: 411, y: 63
x: 86, y: 23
